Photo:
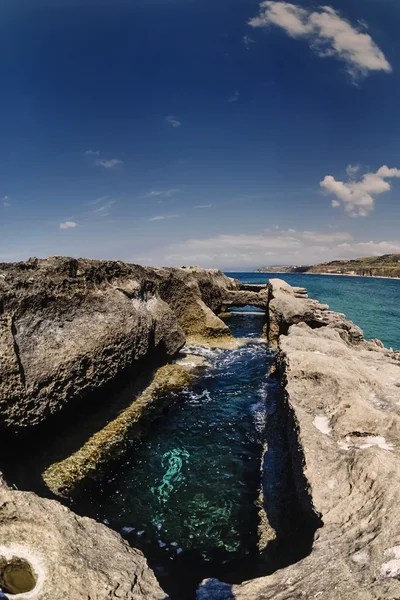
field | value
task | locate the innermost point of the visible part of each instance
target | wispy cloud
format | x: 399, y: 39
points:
x: 99, y: 161
x: 97, y: 200
x: 5, y: 201
x: 247, y: 41
x: 163, y: 217
x: 203, y: 206
x: 358, y: 197
x: 108, y: 164
x: 167, y: 193
x: 173, y: 121
x: 369, y: 248
x: 327, y: 33
x: 104, y: 209
x: 273, y: 246
x: 234, y: 97
x: 68, y: 225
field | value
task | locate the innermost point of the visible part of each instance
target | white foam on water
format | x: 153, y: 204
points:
x: 202, y: 398
x: 127, y: 529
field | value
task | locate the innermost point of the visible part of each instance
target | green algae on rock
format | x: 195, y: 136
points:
x: 63, y: 477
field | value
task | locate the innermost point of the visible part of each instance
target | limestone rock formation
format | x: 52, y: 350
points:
x: 344, y: 396
x: 48, y: 553
x: 64, y: 476
x: 196, y: 296
x: 69, y: 326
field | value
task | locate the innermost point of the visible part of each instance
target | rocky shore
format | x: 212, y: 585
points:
x: 342, y: 398
x: 71, y: 328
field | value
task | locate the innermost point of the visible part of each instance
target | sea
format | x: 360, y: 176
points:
x: 372, y: 303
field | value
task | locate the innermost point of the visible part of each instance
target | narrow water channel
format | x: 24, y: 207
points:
x: 186, y: 495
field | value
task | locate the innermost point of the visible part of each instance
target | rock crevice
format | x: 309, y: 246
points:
x: 343, y: 393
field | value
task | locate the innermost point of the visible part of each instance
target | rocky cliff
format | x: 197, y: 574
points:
x: 342, y: 394
x: 68, y: 327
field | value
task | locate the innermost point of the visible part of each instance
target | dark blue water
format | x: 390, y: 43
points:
x: 371, y: 303
x: 186, y: 495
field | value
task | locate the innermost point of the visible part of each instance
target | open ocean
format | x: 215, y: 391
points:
x: 371, y: 303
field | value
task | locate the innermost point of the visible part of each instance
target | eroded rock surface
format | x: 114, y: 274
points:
x: 69, y: 326
x: 196, y: 296
x: 52, y: 554
x: 343, y: 393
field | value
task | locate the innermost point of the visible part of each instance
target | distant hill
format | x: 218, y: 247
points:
x: 387, y: 265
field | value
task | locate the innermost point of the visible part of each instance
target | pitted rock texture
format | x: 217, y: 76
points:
x: 344, y: 396
x: 196, y: 296
x: 69, y: 556
x: 69, y: 326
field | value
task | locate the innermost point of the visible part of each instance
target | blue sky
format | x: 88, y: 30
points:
x: 226, y: 133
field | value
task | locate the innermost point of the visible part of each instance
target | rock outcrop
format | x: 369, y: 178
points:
x: 343, y: 397
x: 49, y: 553
x: 64, y: 476
x: 67, y: 327
x: 196, y: 296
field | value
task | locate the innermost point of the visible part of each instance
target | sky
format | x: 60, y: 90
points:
x: 223, y: 133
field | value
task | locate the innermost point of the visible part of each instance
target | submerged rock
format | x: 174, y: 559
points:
x: 342, y: 395
x: 63, y: 477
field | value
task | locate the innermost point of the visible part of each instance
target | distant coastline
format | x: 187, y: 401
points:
x: 383, y: 267
x: 332, y: 274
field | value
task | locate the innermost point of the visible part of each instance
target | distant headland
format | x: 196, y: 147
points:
x: 387, y: 265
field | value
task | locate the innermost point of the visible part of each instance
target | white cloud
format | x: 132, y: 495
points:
x: 104, y: 209
x: 163, y: 217
x: 326, y: 238
x: 234, y: 97
x: 273, y: 247
x: 103, y: 162
x: 6, y: 201
x: 108, y: 164
x: 173, y: 121
x: 328, y: 34
x: 168, y: 193
x: 203, y: 206
x: 247, y: 41
x: 358, y: 196
x: 97, y: 200
x: 370, y: 248
x: 68, y: 225
x: 352, y: 171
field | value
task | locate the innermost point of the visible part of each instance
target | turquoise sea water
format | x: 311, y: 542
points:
x: 186, y: 495
x: 371, y: 303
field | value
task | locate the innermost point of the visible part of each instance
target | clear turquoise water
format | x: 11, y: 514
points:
x: 371, y: 303
x: 186, y: 495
